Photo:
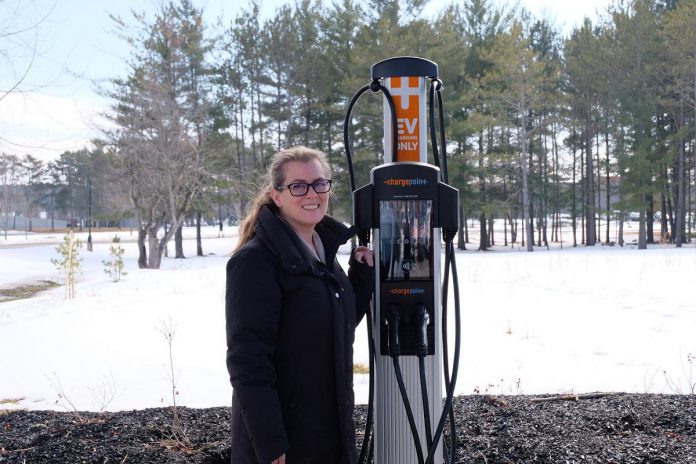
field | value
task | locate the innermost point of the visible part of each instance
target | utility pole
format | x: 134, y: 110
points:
x: 89, y: 214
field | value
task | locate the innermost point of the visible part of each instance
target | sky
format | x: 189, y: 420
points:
x: 59, y: 106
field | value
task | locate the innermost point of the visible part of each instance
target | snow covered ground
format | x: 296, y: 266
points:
x: 552, y: 321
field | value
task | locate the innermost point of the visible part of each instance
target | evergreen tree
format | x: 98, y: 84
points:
x: 634, y: 32
x: 34, y: 172
x: 69, y: 261
x: 114, y: 266
x: 513, y: 84
x: 10, y: 199
x: 679, y: 38
x: 480, y: 24
x: 582, y: 66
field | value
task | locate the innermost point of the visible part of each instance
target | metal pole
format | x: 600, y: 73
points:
x: 220, y: 234
x: 89, y: 215
x: 405, y: 78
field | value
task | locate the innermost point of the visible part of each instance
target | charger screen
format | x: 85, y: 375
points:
x: 405, y: 240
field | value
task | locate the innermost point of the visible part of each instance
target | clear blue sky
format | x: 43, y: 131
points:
x: 76, y: 47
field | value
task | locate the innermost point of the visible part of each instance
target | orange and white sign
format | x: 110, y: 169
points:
x: 409, y: 98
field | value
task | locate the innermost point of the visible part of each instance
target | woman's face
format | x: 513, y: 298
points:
x: 302, y: 212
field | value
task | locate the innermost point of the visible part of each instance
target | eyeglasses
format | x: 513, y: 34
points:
x: 298, y: 189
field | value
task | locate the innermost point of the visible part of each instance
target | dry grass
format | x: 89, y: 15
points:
x: 361, y: 369
x: 5, y: 401
x: 10, y: 400
x: 26, y: 291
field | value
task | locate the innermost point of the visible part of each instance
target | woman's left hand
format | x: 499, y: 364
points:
x: 363, y: 254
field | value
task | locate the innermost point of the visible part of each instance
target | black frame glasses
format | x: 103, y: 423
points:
x: 298, y: 189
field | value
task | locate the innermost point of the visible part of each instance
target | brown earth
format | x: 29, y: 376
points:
x: 621, y: 429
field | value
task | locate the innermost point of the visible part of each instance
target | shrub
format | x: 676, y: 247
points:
x: 69, y: 261
x: 114, y: 266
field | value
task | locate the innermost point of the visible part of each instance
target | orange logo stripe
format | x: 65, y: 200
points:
x: 406, y: 94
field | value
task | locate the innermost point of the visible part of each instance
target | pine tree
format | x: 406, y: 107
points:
x: 516, y: 78
x: 583, y: 65
x: 114, y: 266
x: 69, y: 261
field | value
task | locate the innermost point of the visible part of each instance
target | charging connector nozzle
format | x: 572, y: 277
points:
x: 423, y: 322
x: 393, y: 321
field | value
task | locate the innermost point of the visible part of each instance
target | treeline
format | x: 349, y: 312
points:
x: 540, y: 128
x: 60, y: 189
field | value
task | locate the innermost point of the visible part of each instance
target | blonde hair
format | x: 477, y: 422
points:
x: 275, y: 177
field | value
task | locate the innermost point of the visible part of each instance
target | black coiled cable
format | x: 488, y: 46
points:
x: 450, y: 259
x: 366, y: 450
x: 367, y: 447
x: 375, y: 86
x: 407, y: 407
x: 426, y: 405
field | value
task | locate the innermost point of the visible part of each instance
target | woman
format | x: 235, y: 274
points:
x: 291, y: 315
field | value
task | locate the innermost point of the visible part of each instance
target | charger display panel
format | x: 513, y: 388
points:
x: 405, y: 240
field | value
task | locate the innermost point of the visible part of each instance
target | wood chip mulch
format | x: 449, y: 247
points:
x: 598, y: 428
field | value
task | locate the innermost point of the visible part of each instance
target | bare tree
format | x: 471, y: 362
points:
x: 20, y: 27
x: 160, y: 111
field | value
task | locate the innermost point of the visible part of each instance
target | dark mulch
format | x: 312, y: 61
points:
x: 622, y: 429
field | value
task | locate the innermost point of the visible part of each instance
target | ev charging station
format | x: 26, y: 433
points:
x: 408, y: 209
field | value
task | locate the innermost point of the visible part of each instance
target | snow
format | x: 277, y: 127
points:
x: 552, y: 321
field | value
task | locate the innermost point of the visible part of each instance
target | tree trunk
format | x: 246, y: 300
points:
x: 483, y: 235
x: 598, y: 231
x: 679, y: 228
x: 583, y: 190
x: 556, y: 181
x: 689, y: 177
x: 166, y: 248
x: 590, y: 237
x: 574, y: 202
x: 664, y: 231
x: 670, y: 214
x: 199, y: 241
x: 545, y: 195
x: 649, y: 214
x: 53, y: 212
x: 544, y: 203
x: 461, y: 243
x: 179, y: 243
x: 525, y: 188
x: 142, y: 250
x: 155, y: 248
x: 513, y: 230
x: 608, y: 193
x: 642, y: 242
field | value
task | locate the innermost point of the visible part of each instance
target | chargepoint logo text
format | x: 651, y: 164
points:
x: 407, y: 291
x: 405, y: 182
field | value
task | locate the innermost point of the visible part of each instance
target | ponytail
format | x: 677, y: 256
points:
x: 246, y: 228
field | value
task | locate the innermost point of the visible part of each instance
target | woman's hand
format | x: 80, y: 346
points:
x: 363, y: 254
x: 280, y: 460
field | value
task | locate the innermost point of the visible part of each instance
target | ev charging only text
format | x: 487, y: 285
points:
x: 406, y: 126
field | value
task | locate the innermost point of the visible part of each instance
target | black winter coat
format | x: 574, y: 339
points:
x: 290, y: 329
